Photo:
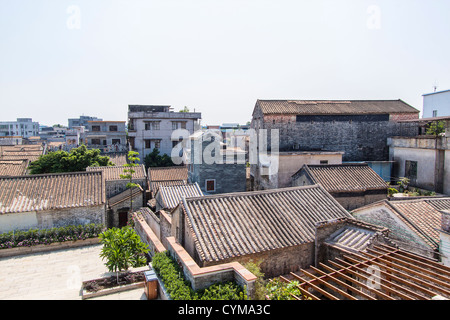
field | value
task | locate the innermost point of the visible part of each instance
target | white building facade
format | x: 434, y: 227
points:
x: 436, y: 104
x: 151, y: 127
x: 23, y: 127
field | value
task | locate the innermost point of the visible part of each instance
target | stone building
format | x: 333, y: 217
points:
x: 168, y: 197
x: 359, y: 128
x: 52, y: 200
x: 274, y: 226
x: 151, y: 127
x: 216, y: 167
x: 121, y: 199
x: 414, y: 224
x: 166, y: 176
x: 352, y: 185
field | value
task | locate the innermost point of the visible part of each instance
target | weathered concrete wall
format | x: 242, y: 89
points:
x: 52, y: 218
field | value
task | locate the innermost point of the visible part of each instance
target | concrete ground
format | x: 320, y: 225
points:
x: 56, y: 275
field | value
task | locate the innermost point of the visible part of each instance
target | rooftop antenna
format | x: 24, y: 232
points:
x: 435, y: 86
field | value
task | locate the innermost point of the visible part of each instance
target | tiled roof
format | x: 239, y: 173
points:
x: 345, y: 177
x: 422, y: 216
x: 172, y: 195
x: 113, y: 172
x: 119, y: 159
x: 51, y: 191
x: 315, y: 107
x: 13, y: 167
x: 236, y: 224
x: 167, y: 173
x: 155, y: 185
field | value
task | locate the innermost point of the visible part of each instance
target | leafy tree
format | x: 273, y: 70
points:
x: 78, y: 159
x: 436, y: 128
x: 154, y: 159
x: 185, y: 109
x: 122, y: 249
x: 128, y: 173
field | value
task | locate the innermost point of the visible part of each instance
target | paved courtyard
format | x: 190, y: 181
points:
x: 55, y: 275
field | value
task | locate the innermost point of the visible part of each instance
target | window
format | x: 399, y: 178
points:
x: 96, y: 128
x: 323, y: 161
x: 147, y: 126
x: 115, y: 141
x: 155, y: 125
x: 112, y: 128
x: 411, y: 169
x: 435, y: 113
x: 95, y: 141
x: 175, y: 125
x: 157, y: 144
x: 148, y: 144
x: 210, y: 185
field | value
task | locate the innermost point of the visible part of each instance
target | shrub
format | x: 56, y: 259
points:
x: 33, y: 237
x: 279, y: 290
x: 122, y: 248
x: 180, y: 289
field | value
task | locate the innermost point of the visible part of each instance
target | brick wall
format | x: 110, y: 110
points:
x: 360, y: 140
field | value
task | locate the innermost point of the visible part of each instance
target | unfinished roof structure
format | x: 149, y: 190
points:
x: 382, y: 272
x: 237, y: 224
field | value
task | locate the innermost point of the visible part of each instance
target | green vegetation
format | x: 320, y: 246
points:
x: 260, y: 283
x: 154, y: 159
x: 436, y: 128
x: 78, y: 159
x: 128, y: 173
x: 280, y: 290
x: 180, y: 289
x: 34, y: 237
x: 122, y: 249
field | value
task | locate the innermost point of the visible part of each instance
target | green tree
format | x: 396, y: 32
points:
x: 260, y: 283
x: 436, y: 128
x: 154, y: 159
x: 185, y: 109
x: 122, y: 249
x: 78, y: 159
x: 128, y: 174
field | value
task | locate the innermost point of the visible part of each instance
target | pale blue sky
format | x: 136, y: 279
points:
x: 215, y: 56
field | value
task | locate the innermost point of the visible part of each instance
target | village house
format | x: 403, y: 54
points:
x: 359, y: 128
x: 51, y: 200
x: 120, y: 199
x: 168, y: 197
x: 414, y: 224
x: 352, y: 185
x: 166, y: 176
x: 436, y: 104
x: 358, y: 261
x: 215, y: 166
x: 107, y: 136
x: 423, y: 159
x: 275, y: 171
x: 274, y: 226
x: 151, y: 127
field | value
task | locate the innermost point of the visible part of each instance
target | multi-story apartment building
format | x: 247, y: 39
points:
x: 82, y: 121
x: 23, y: 127
x: 151, y: 126
x: 108, y: 136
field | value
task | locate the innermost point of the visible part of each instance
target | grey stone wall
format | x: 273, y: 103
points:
x: 114, y: 187
x: 360, y: 140
x: 229, y: 177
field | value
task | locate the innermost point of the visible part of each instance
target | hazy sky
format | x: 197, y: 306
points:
x: 60, y: 59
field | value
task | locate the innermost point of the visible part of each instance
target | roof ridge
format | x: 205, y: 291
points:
x: 256, y: 192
